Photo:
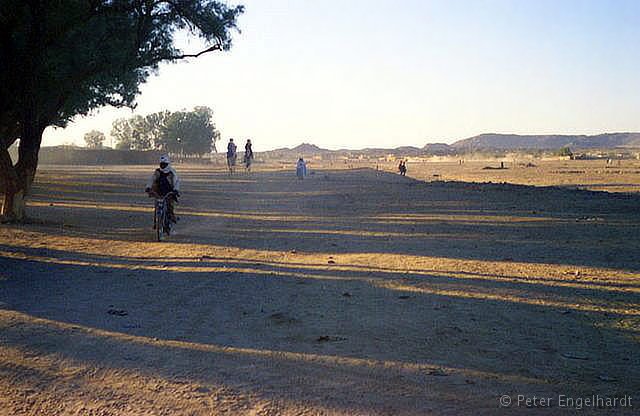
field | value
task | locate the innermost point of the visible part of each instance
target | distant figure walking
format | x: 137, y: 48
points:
x: 402, y: 168
x: 301, y: 169
x: 248, y: 156
x: 231, y: 156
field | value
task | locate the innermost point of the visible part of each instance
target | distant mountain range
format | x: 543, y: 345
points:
x: 482, y: 142
x: 492, y: 141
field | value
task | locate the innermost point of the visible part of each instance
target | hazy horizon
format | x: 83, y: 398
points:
x: 373, y: 74
x: 221, y: 146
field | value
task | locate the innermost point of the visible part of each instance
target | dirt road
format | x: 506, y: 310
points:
x: 349, y: 293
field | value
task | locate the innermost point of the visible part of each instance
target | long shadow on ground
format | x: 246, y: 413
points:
x: 206, y: 326
x: 341, y: 336
x: 364, y: 211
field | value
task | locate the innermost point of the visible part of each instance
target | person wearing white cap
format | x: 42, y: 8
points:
x: 164, y: 180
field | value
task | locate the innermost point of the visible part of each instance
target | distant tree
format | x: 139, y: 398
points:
x: 121, y: 131
x: 94, y: 139
x: 131, y: 133
x: 216, y: 138
x: 565, y: 151
x: 154, y: 125
x: 139, y: 137
x: 203, y: 133
x: 190, y: 132
x: 62, y: 58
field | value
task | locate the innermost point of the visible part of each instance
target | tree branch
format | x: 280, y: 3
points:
x: 216, y: 47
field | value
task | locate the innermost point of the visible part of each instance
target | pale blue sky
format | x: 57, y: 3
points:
x: 357, y: 73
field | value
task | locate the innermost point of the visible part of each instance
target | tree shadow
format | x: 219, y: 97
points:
x: 283, y: 324
x: 365, y: 211
x: 343, y: 336
x: 603, y: 293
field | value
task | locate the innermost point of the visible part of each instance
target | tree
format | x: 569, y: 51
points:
x: 121, y: 131
x: 154, y: 128
x: 94, y: 139
x: 565, y: 151
x: 189, y: 132
x: 215, y: 139
x: 177, y: 132
x: 140, y: 139
x: 63, y: 58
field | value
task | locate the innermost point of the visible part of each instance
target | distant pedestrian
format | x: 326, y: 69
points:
x: 248, y: 156
x: 402, y: 168
x: 301, y: 169
x: 231, y: 156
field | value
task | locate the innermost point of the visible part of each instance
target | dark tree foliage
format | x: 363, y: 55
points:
x: 121, y: 131
x: 565, y: 151
x: 153, y: 128
x: 94, y: 139
x: 189, y: 132
x: 62, y: 58
x: 181, y: 132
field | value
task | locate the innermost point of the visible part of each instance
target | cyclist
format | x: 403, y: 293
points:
x: 163, y: 181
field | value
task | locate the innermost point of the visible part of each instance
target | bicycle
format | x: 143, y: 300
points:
x: 161, y: 220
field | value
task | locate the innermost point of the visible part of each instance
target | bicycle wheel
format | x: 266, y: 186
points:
x: 159, y: 222
x: 167, y: 222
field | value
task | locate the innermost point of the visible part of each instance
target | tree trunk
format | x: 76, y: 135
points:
x: 13, y: 206
x: 9, y: 185
x: 17, y: 180
x: 29, y: 123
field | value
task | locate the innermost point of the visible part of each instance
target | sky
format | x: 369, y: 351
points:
x: 383, y: 73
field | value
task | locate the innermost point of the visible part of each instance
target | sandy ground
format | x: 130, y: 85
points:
x: 597, y: 175
x: 353, y: 292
